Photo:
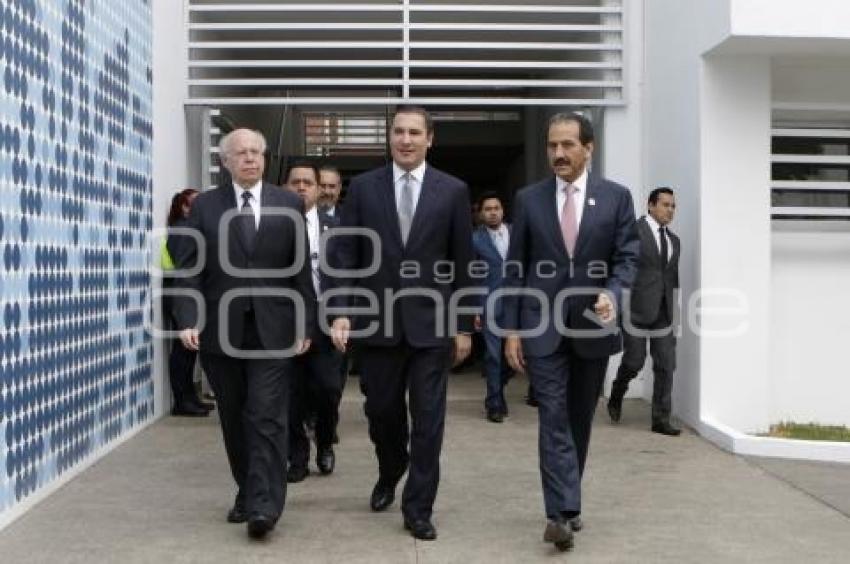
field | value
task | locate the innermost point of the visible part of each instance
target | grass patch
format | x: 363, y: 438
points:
x: 810, y: 432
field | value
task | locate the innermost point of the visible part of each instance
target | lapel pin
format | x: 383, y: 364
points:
x: 591, y: 202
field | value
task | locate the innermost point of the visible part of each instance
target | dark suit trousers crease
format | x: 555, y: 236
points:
x: 253, y: 400
x: 181, y: 365
x: 386, y: 374
x: 316, y: 386
x: 495, y: 373
x: 663, y: 352
x: 567, y: 388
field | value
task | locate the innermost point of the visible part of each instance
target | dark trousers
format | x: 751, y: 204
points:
x: 496, y: 373
x: 181, y: 368
x: 181, y: 364
x: 567, y: 389
x: 316, y: 388
x: 386, y: 373
x: 663, y: 352
x: 253, y: 400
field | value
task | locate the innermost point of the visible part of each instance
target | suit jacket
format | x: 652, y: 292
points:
x: 441, y: 231
x: 326, y: 210
x: 320, y: 339
x: 486, y: 251
x: 652, y: 283
x: 274, y: 248
x: 606, y: 256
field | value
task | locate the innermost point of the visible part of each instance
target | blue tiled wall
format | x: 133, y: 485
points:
x: 75, y: 214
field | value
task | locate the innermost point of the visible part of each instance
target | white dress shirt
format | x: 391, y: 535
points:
x: 578, y: 196
x: 314, y: 234
x: 255, y: 191
x: 501, y: 238
x: 416, y: 177
x: 653, y: 226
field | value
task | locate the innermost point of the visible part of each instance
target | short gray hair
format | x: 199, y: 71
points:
x: 224, y: 142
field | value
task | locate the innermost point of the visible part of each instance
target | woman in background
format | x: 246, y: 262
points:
x: 181, y: 361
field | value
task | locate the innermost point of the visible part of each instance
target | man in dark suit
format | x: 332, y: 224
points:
x: 652, y: 307
x: 421, y: 216
x: 317, y: 379
x: 490, y: 241
x: 573, y: 250
x: 330, y: 189
x: 251, y: 235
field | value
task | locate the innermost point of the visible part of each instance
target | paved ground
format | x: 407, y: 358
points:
x: 162, y: 497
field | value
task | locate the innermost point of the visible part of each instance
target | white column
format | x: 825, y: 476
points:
x: 735, y: 240
x: 170, y: 58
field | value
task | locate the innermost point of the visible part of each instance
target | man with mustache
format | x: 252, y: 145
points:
x: 573, y: 249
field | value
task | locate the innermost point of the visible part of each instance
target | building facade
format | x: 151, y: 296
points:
x: 743, y: 106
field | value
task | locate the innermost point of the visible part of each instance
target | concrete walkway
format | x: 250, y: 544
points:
x: 163, y: 496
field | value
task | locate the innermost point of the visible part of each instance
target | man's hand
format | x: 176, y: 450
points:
x: 303, y: 346
x: 339, y: 333
x: 190, y: 339
x: 513, y: 352
x: 463, y: 345
x: 477, y: 323
x: 604, y: 308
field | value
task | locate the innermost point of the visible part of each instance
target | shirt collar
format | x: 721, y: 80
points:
x: 255, y: 191
x: 499, y: 230
x: 654, y: 225
x: 313, y: 215
x: 580, y: 183
x: 417, y: 173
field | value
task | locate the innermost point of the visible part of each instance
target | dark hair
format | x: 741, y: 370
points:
x: 180, y: 199
x: 585, y: 128
x: 302, y: 164
x: 489, y: 195
x: 419, y: 110
x: 653, y: 196
x: 327, y: 167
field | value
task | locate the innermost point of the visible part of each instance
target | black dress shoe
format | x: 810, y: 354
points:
x: 188, y: 409
x: 665, y: 428
x: 576, y: 524
x: 495, y: 416
x: 296, y: 474
x: 421, y: 529
x: 558, y: 533
x: 383, y: 495
x: 204, y: 404
x: 615, y: 407
x: 237, y: 513
x: 325, y: 460
x: 259, y: 525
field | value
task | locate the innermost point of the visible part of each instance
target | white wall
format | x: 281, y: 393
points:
x: 169, y: 138
x: 676, y: 35
x: 810, y: 381
x: 623, y: 149
x: 735, y: 239
x: 812, y: 80
x: 790, y: 18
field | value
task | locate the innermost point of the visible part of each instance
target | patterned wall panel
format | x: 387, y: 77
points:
x: 75, y: 215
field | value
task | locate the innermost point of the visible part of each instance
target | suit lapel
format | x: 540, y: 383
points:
x: 227, y: 202
x: 484, y: 235
x: 649, y: 237
x: 390, y: 210
x: 427, y: 196
x: 551, y: 213
x: 267, y: 201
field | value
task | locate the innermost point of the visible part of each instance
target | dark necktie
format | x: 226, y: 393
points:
x: 248, y: 226
x: 662, y: 236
